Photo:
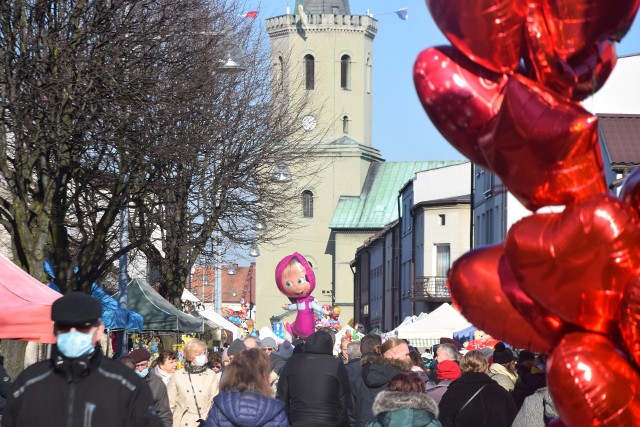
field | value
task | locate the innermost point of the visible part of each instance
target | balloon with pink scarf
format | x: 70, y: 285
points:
x: 295, y: 279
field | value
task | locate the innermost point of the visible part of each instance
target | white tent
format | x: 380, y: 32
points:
x: 215, y: 320
x: 441, y: 322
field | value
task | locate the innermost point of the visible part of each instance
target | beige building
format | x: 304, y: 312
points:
x: 329, y: 60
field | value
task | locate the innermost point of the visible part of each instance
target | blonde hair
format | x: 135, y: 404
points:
x: 389, y: 344
x: 474, y: 361
x: 190, y: 348
x: 294, y: 264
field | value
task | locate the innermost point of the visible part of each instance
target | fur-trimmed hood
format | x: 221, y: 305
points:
x: 379, y: 360
x: 387, y: 401
x: 377, y: 371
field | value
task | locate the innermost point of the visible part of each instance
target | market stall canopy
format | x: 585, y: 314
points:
x: 113, y: 316
x: 158, y: 313
x: 215, y: 320
x: 25, y: 305
x: 441, y: 322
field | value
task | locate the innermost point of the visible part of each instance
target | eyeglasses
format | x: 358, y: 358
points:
x: 84, y: 327
x: 267, y: 348
x: 142, y: 364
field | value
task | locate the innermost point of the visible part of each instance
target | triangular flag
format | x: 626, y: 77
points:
x: 403, y: 13
x: 301, y: 13
x: 251, y: 14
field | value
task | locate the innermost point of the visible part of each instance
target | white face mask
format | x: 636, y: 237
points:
x: 201, y: 360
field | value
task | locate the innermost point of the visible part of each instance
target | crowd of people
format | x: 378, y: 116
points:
x: 255, y: 382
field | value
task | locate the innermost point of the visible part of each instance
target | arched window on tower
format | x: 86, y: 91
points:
x: 345, y: 72
x: 307, y: 204
x: 309, y: 71
x: 368, y: 71
x: 345, y: 124
x: 281, y: 71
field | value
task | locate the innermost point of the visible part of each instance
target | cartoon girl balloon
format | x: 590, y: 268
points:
x: 295, y: 279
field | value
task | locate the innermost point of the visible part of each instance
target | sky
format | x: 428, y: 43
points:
x: 401, y: 129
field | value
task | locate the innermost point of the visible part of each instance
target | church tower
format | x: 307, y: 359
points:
x: 326, y: 56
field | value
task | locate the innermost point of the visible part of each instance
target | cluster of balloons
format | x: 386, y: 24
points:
x: 329, y: 320
x: 506, y: 95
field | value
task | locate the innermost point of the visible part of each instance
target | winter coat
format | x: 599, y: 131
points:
x: 245, y: 408
x: 503, y: 376
x: 314, y: 385
x: 492, y: 407
x: 537, y: 410
x: 436, y: 391
x: 160, y: 398
x: 5, y: 385
x: 399, y: 409
x: 376, y: 373
x: 95, y: 390
x: 181, y: 397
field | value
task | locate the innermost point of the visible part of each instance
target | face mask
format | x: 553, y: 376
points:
x: 200, y: 360
x: 143, y: 373
x: 75, y: 344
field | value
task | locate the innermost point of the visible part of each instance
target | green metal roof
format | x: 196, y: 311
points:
x: 377, y: 204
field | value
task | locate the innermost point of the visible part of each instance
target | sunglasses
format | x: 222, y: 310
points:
x: 84, y: 327
x: 267, y: 348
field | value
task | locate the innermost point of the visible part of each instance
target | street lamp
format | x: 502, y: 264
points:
x: 254, y: 251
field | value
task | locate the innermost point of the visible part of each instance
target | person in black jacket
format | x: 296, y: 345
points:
x: 140, y: 358
x: 474, y: 399
x: 389, y: 359
x: 314, y: 385
x: 5, y: 385
x: 79, y: 386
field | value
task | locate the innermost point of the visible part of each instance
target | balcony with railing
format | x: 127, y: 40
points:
x: 431, y: 289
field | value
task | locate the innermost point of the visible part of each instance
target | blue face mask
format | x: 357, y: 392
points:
x: 143, y: 373
x: 75, y: 344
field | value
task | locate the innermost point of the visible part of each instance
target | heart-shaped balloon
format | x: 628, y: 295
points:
x: 577, y: 24
x: 630, y: 319
x: 544, y: 147
x: 577, y: 263
x: 630, y: 191
x: 577, y: 77
x: 592, y: 383
x: 543, y: 321
x: 489, y: 32
x: 476, y: 290
x: 460, y: 97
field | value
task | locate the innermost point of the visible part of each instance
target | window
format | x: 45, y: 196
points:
x: 442, y: 219
x: 443, y: 260
x: 345, y: 70
x: 345, y: 124
x: 309, y: 70
x: 307, y: 204
x: 368, y: 70
x: 281, y: 70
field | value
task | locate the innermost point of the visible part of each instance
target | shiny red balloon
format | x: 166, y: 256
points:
x: 546, y: 323
x: 577, y: 77
x: 544, y: 147
x: 592, y: 383
x: 475, y: 288
x: 630, y: 191
x: 577, y: 263
x: 630, y: 319
x: 576, y: 24
x: 460, y: 97
x: 489, y: 32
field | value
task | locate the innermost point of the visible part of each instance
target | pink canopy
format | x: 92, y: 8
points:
x: 25, y: 305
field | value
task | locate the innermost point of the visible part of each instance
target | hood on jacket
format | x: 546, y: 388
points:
x: 377, y: 371
x: 319, y: 342
x: 247, y: 409
x: 387, y: 401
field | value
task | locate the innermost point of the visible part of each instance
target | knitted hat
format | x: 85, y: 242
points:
x: 448, y: 370
x: 76, y: 308
x: 501, y: 354
x: 285, y: 349
x: 526, y: 355
x: 236, y: 347
x: 139, y: 355
x: 268, y: 342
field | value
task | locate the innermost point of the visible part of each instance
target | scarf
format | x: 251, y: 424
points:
x: 165, y: 376
x: 193, y: 369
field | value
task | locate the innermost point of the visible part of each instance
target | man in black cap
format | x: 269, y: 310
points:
x: 79, y: 386
x: 140, y: 358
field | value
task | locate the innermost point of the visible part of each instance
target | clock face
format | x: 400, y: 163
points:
x: 309, y: 123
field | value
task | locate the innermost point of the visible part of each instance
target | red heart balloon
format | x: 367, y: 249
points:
x: 460, y: 97
x: 489, y: 32
x: 630, y: 319
x: 630, y: 191
x: 592, y: 384
x: 577, y: 263
x: 576, y: 24
x: 475, y: 289
x: 544, y: 147
x: 577, y: 77
x: 545, y: 322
